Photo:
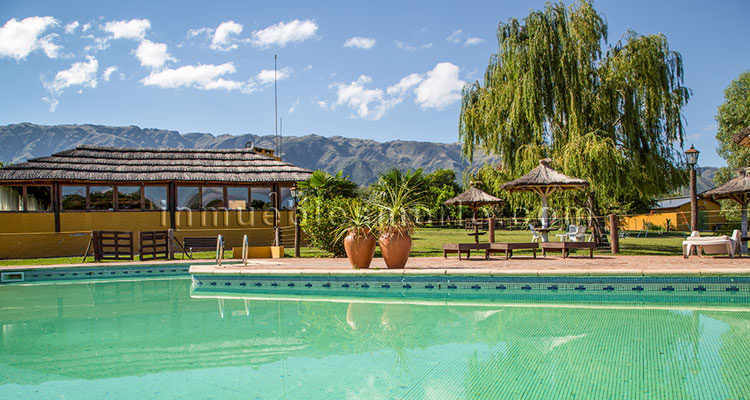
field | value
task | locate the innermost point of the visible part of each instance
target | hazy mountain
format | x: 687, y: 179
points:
x: 361, y: 159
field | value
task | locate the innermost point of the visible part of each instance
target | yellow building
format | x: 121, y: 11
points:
x: 49, y: 206
x: 675, y: 212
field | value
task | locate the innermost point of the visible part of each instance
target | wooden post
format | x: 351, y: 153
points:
x: 491, y: 228
x: 297, y: 233
x: 170, y: 243
x: 614, y: 239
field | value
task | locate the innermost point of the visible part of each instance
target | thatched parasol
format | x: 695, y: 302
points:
x: 474, y: 198
x: 737, y: 189
x: 742, y: 138
x: 544, y: 180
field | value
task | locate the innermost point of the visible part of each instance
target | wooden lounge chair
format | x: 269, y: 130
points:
x: 711, y: 244
x: 463, y: 248
x: 508, y: 248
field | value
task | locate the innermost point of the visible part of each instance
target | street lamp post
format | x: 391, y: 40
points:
x: 692, y: 159
x: 295, y: 195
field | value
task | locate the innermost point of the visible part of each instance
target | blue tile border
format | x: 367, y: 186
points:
x: 712, y: 290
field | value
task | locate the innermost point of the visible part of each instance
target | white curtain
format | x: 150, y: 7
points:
x: 10, y: 198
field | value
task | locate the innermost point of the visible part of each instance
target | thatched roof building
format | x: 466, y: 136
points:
x: 116, y: 165
x: 544, y: 180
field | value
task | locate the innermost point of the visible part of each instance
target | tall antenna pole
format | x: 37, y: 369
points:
x: 281, y: 137
x: 276, y: 107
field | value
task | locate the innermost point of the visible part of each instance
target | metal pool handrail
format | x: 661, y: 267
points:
x: 244, y: 250
x: 219, y: 249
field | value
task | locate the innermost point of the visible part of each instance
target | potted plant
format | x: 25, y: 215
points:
x: 398, y: 198
x: 359, y: 242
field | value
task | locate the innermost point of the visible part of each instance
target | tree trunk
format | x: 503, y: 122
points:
x: 596, y: 224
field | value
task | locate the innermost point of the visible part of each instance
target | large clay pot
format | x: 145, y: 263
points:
x: 395, y: 246
x: 360, y: 247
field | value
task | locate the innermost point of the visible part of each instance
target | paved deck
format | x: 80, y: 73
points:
x: 576, y: 264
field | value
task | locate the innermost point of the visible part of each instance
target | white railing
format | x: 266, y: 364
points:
x: 219, y: 250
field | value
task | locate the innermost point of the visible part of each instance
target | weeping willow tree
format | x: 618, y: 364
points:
x: 610, y: 114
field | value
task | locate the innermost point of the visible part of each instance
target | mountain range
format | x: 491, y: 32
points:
x: 361, y: 159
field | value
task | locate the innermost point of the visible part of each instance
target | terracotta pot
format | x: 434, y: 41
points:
x: 360, y: 247
x: 395, y: 247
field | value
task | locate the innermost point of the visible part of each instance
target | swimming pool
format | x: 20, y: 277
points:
x: 149, y: 339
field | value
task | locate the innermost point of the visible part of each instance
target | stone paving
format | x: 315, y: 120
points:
x: 574, y: 265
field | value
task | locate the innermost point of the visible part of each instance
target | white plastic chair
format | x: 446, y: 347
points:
x: 577, y: 233
x: 535, y: 235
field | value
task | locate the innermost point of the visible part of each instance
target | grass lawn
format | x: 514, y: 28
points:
x: 428, y: 242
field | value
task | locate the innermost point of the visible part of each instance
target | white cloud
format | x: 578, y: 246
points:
x: 455, y: 37
x: 79, y: 74
x: 283, y: 33
x: 133, y: 29
x: 224, y: 36
x: 368, y: 104
x: 441, y: 88
x: 266, y: 76
x: 200, y: 31
x: 404, y: 84
x: 360, y: 42
x: 19, y: 38
x: 152, y: 55
x: 437, y: 88
x: 203, y: 77
x: 473, y: 41
x: 85, y: 27
x: 108, y: 73
x: 71, y: 27
x: 293, y: 108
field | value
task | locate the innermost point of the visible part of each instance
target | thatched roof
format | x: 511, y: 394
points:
x: 473, y: 197
x: 736, y: 189
x: 742, y: 138
x: 544, y: 180
x: 113, y: 164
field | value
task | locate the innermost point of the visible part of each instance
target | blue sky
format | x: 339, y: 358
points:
x: 379, y: 70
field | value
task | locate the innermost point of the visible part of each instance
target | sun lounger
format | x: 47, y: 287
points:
x: 711, y: 244
x: 508, y: 248
x: 463, y: 248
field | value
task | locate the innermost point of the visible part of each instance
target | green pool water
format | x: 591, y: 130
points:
x: 150, y: 340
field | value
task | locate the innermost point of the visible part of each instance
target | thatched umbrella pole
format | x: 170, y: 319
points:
x: 473, y: 198
x: 543, y: 181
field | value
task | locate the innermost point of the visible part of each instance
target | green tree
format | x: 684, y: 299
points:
x: 441, y: 186
x: 328, y: 186
x: 733, y: 116
x: 608, y: 114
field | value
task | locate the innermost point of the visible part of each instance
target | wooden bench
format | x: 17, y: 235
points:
x: 196, y: 243
x: 463, y: 248
x: 565, y: 247
x: 508, y: 248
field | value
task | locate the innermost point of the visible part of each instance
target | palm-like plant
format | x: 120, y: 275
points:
x: 359, y: 218
x: 398, y: 198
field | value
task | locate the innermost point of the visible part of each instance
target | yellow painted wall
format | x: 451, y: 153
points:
x: 31, y: 235
x: 679, y: 217
x: 27, y: 222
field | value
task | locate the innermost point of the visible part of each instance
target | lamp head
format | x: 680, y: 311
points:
x: 692, y: 156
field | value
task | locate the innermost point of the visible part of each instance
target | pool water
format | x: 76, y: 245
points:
x: 149, y: 339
